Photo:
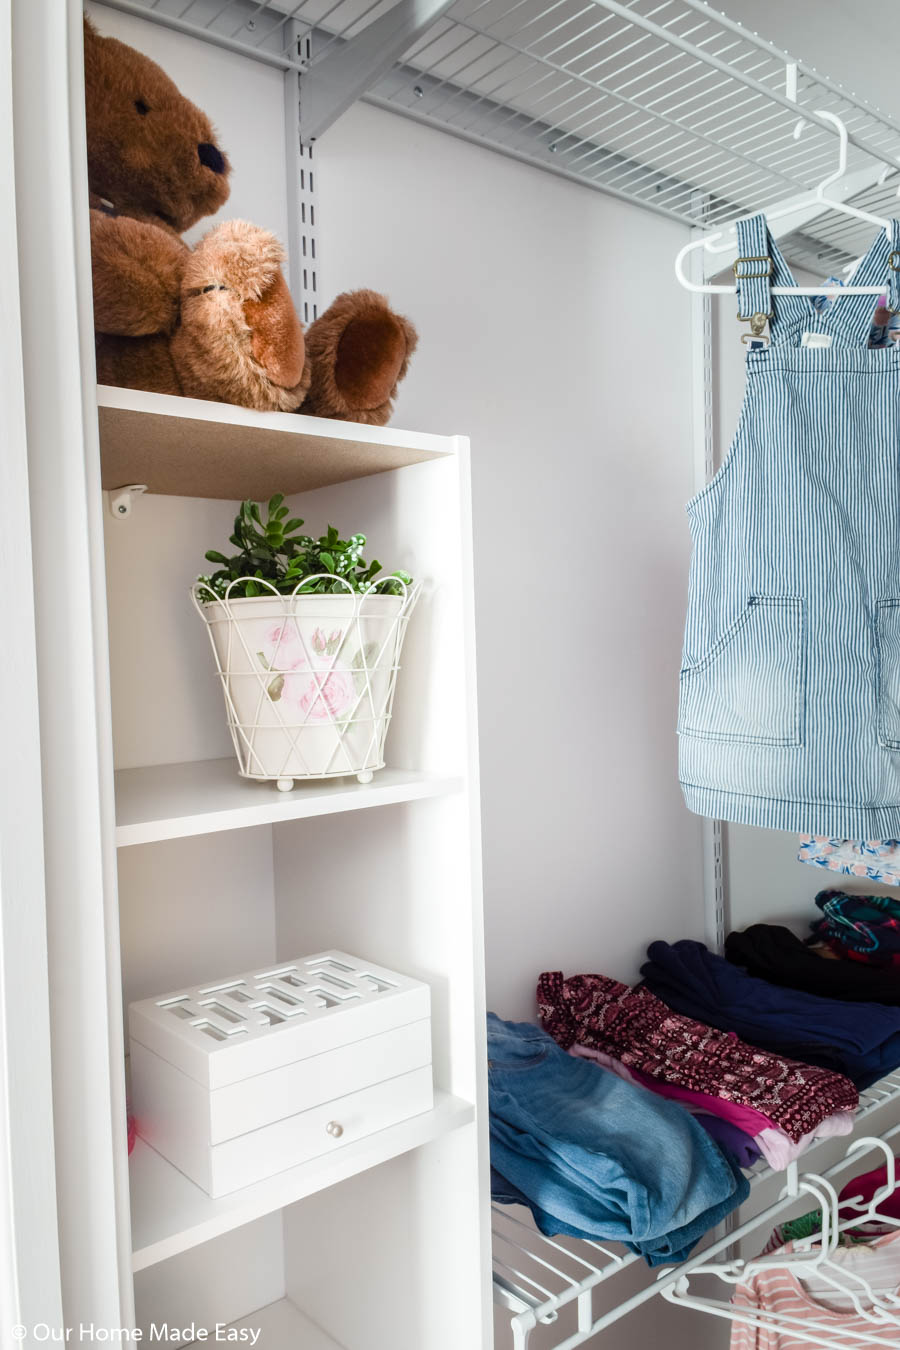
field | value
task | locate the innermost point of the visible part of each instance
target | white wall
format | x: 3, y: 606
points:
x: 553, y: 333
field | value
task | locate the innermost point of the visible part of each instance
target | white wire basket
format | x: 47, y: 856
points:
x: 308, y: 678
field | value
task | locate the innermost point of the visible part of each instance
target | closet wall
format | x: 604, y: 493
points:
x: 551, y: 334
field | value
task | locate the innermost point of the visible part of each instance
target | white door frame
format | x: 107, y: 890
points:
x: 78, y: 815
x: 29, y: 1258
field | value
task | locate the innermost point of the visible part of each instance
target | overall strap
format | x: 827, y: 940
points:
x: 851, y: 317
x: 760, y: 266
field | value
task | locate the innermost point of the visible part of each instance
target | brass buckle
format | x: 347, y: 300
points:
x: 757, y: 324
x: 752, y: 276
x: 892, y: 264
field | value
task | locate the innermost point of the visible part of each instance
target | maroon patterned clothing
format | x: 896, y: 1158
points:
x: 637, y: 1028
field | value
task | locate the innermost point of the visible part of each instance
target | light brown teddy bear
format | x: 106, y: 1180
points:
x: 216, y: 321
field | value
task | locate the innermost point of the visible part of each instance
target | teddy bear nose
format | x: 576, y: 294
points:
x: 211, y: 157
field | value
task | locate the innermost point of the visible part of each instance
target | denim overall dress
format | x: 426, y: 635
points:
x: 789, y: 711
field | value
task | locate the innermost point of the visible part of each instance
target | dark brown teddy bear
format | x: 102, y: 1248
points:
x: 216, y: 321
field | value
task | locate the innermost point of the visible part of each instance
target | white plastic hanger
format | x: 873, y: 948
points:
x: 879, y: 1308
x: 724, y: 241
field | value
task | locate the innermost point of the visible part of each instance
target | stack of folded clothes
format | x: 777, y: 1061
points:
x: 859, y: 1040
x: 631, y: 1115
x: 852, y: 955
x: 747, y: 1134
x: 779, y: 1103
x: 595, y: 1156
x: 776, y: 954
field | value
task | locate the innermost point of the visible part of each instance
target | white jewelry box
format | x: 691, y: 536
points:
x: 238, y: 1079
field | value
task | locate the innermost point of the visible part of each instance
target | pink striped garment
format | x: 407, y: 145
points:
x: 780, y: 1292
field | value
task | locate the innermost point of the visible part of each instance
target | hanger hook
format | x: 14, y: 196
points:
x: 827, y: 1196
x: 863, y: 1146
x: 824, y: 115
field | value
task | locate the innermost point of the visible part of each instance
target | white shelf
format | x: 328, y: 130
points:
x: 172, y: 801
x: 188, y: 447
x: 169, y: 1214
x: 283, y: 1327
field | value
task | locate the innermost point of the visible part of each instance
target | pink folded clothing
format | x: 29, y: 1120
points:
x: 775, y: 1146
x: 635, y: 1027
x: 778, y: 1150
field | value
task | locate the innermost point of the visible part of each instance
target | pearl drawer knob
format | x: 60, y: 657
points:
x: 334, y: 1129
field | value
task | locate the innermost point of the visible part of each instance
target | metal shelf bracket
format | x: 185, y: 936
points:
x: 121, y: 500
x: 350, y: 68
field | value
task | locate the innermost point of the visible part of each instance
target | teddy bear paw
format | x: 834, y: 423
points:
x: 240, y: 339
x: 359, y: 350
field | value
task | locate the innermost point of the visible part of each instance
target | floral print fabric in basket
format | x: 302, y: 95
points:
x: 872, y: 859
x: 636, y: 1027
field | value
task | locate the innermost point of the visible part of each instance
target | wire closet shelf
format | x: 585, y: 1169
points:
x: 551, y: 1282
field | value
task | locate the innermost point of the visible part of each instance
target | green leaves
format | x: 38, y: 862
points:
x: 274, y: 551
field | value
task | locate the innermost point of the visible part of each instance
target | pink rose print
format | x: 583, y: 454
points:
x: 283, y: 647
x: 328, y: 697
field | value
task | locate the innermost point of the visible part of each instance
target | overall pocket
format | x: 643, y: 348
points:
x: 887, y: 672
x: 749, y: 687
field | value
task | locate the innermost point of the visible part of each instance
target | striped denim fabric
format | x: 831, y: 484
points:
x: 790, y: 685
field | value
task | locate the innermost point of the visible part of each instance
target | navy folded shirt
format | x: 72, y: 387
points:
x: 859, y: 1040
x: 776, y: 954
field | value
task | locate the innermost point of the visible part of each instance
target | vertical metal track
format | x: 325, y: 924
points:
x: 713, y: 831
x: 303, y: 241
x: 715, y: 896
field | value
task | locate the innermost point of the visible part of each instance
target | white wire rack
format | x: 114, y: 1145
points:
x: 269, y: 32
x: 663, y: 102
x: 537, y: 1279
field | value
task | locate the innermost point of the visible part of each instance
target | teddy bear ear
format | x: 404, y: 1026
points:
x: 89, y: 30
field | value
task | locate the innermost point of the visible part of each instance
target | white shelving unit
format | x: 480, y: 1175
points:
x: 166, y: 867
x: 208, y: 860
x: 214, y: 873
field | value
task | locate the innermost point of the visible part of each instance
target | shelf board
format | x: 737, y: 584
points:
x: 169, y: 1214
x: 172, y: 801
x: 281, y: 1325
x: 188, y: 447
